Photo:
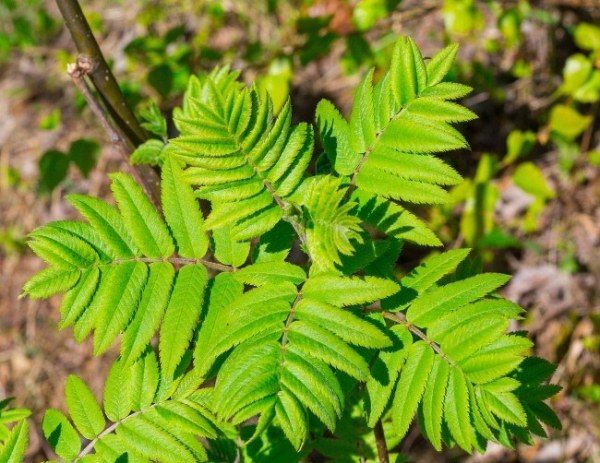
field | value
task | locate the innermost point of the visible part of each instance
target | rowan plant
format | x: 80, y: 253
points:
x: 258, y: 308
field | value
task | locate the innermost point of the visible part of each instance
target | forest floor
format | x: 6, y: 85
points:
x: 563, y: 305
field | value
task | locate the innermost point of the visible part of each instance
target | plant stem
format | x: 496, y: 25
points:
x: 113, y: 110
x: 184, y: 261
x: 289, y: 320
x: 144, y: 175
x: 382, y: 451
x: 400, y: 318
x: 174, y: 260
x: 88, y: 448
x: 101, y: 75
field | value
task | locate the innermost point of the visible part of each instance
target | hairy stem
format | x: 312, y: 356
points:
x: 88, y: 448
x: 185, y: 261
x: 291, y: 218
x: 365, y: 155
x: 399, y: 318
x: 180, y: 261
x: 172, y: 260
x: 382, y: 451
x: 289, y: 320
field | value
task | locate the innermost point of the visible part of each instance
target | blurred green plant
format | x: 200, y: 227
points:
x: 518, y: 145
x: 462, y: 17
x: 168, y: 58
x: 52, y: 120
x: 54, y: 164
x: 23, y: 23
x: 14, y: 432
x: 565, y: 123
x: 12, y: 241
x: 529, y: 178
x: 578, y: 97
x: 304, y: 33
x: 591, y: 393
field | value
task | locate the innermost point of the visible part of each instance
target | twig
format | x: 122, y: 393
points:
x: 586, y: 140
x: 144, y: 175
x: 382, y: 451
x: 77, y: 71
x: 101, y: 75
x: 128, y: 132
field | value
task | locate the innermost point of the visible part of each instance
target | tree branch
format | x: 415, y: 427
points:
x: 382, y: 451
x: 101, y: 75
x: 78, y: 71
x: 114, y: 114
x: 143, y: 174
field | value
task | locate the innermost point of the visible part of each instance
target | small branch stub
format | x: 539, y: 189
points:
x: 144, y: 175
x: 78, y: 71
